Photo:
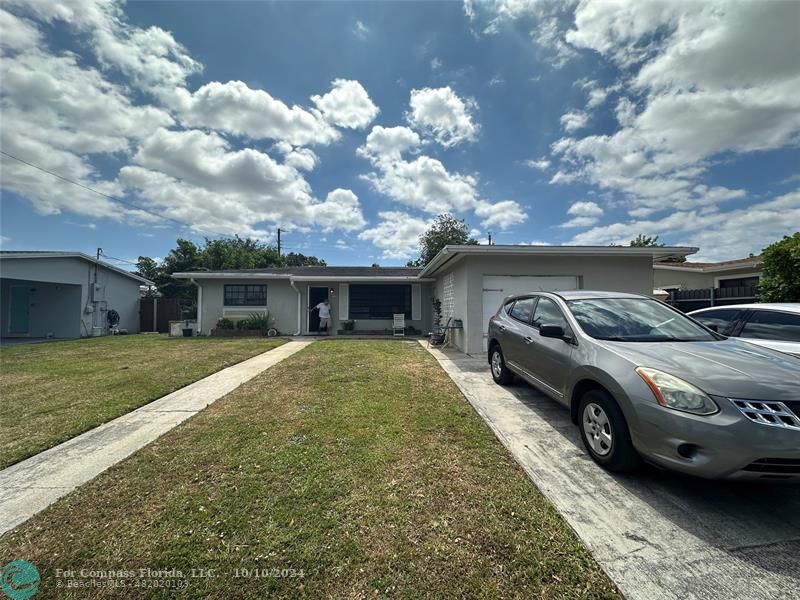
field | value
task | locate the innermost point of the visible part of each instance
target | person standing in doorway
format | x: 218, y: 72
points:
x: 324, y: 309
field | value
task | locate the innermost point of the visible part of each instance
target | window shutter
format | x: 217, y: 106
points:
x: 416, y: 302
x: 344, y: 301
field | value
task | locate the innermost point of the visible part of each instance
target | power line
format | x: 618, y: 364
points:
x: 104, y: 195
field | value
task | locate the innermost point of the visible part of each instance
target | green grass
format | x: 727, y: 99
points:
x: 54, y: 391
x: 356, y: 463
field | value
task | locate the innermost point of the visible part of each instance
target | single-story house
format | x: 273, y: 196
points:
x: 743, y: 272
x: 64, y: 295
x: 470, y: 282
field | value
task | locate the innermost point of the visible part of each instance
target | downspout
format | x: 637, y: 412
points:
x: 299, y: 305
x: 199, y: 305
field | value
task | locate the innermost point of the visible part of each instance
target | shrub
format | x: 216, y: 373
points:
x: 225, y: 323
x: 256, y: 322
x: 780, y: 277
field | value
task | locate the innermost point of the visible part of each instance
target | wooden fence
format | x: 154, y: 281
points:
x: 156, y: 313
x: 689, y: 300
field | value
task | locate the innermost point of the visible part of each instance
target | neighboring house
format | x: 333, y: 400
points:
x: 64, y: 295
x: 471, y: 282
x: 743, y: 272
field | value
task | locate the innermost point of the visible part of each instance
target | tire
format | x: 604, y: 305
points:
x: 605, y: 433
x: 500, y: 372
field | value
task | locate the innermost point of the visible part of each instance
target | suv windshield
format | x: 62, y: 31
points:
x: 635, y: 320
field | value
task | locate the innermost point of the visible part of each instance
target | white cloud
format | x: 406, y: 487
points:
x: 360, y: 30
x: 303, y: 159
x: 440, y: 112
x: 436, y: 64
x: 387, y: 144
x: 501, y: 214
x: 397, y: 235
x: 16, y: 33
x: 584, y: 214
x: 732, y: 234
x: 574, y: 120
x: 541, y: 164
x: 4, y: 239
x: 234, y: 107
x: 347, y: 104
x: 707, y: 82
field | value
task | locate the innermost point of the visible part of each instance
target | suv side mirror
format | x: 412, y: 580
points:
x: 551, y: 331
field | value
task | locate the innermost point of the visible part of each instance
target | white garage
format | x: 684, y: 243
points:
x: 472, y: 281
x: 498, y: 287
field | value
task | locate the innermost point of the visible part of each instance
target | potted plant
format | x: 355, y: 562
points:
x: 437, y: 335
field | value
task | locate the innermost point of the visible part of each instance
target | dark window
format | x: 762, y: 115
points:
x: 379, y: 301
x: 245, y: 295
x: 547, y: 313
x: 508, y: 305
x: 721, y: 321
x: 739, y: 282
x: 773, y: 325
x: 522, y: 310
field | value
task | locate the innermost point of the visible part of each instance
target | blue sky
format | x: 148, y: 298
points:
x: 351, y: 125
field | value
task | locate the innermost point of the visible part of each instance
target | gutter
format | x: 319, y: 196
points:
x: 199, y: 305
x: 299, y: 305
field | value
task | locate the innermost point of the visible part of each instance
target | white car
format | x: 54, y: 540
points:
x: 775, y: 326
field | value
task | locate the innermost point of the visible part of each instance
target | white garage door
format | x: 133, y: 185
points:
x: 497, y: 287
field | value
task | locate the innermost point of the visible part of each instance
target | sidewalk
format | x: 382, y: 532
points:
x: 33, y: 484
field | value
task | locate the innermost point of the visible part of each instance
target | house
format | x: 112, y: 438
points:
x: 64, y: 295
x: 743, y: 272
x: 470, y: 281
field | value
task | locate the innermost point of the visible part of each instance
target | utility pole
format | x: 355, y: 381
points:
x: 490, y: 237
x: 279, y: 241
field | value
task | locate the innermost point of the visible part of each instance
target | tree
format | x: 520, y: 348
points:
x: 645, y: 241
x: 780, y: 274
x: 213, y: 255
x: 446, y: 230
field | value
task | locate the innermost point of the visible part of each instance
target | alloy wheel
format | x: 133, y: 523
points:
x: 497, y: 364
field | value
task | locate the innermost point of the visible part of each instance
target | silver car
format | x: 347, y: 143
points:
x: 645, y: 382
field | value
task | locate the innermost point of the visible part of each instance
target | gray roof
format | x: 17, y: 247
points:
x: 324, y: 271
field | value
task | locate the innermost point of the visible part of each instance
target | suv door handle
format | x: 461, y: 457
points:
x: 501, y: 327
x: 528, y: 339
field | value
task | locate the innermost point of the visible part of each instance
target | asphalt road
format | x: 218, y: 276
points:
x: 657, y: 534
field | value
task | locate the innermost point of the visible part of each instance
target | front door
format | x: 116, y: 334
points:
x: 20, y: 309
x: 315, y: 296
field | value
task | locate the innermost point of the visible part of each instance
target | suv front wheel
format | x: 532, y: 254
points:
x: 605, y: 432
x: 500, y: 372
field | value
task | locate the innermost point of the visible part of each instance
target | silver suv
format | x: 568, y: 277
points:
x: 644, y: 381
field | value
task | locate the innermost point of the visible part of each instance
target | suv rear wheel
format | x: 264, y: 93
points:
x: 605, y: 434
x: 500, y: 372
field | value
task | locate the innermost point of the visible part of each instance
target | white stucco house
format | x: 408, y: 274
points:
x: 742, y: 272
x: 64, y: 295
x: 470, y: 281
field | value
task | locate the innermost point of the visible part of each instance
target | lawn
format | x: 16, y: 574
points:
x: 52, y: 392
x: 353, y: 469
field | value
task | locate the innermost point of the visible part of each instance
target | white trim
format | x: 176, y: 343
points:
x: 223, y: 275
x: 301, y: 278
x: 719, y: 278
x: 344, y: 301
x: 375, y: 278
x: 416, y: 302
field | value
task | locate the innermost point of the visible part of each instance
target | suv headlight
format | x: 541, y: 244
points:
x: 673, y: 392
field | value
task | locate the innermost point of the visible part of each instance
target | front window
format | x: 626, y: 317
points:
x: 547, y: 313
x: 245, y: 295
x: 379, y: 301
x: 635, y: 320
x: 738, y: 282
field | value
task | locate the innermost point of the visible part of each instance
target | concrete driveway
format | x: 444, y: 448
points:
x: 658, y: 535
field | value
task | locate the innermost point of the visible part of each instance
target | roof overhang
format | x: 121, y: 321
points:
x: 451, y: 254
x: 708, y: 268
x: 78, y: 255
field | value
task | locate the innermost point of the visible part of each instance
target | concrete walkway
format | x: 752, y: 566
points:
x: 658, y: 535
x: 33, y: 484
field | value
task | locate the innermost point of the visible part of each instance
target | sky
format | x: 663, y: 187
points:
x: 350, y: 126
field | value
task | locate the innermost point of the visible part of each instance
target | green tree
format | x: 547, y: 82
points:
x: 446, y: 230
x: 213, y: 255
x: 645, y: 241
x: 780, y: 274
